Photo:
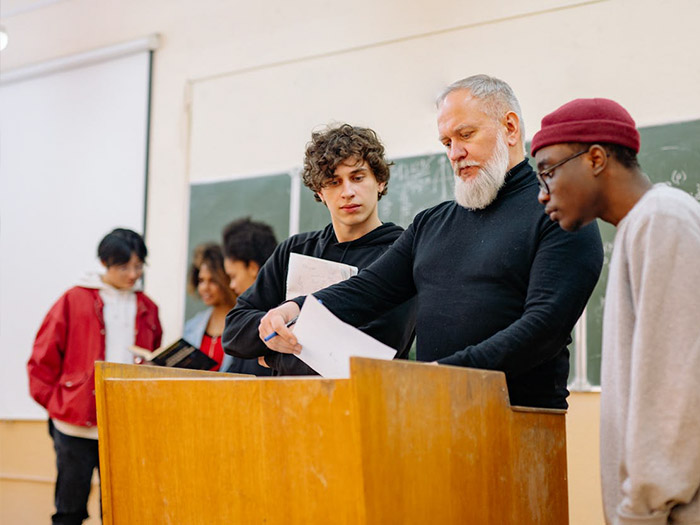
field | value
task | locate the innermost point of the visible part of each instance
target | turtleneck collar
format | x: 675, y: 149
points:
x: 518, y: 176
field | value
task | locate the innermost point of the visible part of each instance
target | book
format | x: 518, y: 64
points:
x: 180, y: 354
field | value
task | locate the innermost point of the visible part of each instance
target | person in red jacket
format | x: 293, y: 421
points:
x: 97, y: 320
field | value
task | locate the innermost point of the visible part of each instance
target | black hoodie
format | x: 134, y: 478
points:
x: 396, y: 328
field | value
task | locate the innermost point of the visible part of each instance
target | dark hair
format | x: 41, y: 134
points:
x: 118, y: 245
x: 246, y: 240
x: 333, y: 145
x: 624, y: 155
x: 211, y: 255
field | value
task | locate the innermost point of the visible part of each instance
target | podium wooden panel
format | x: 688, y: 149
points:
x: 442, y: 445
x: 399, y: 442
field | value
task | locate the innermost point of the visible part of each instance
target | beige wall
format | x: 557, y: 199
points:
x: 583, y: 451
x: 237, y: 87
x: 27, y: 475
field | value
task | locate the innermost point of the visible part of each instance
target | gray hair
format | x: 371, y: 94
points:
x: 497, y: 95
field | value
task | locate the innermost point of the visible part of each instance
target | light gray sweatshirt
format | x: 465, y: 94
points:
x: 650, y: 386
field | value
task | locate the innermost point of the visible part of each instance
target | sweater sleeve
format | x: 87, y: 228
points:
x: 564, y: 272
x: 46, y: 362
x: 662, y: 430
x: 383, y: 285
x: 240, y: 336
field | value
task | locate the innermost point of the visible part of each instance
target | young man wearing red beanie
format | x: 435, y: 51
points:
x: 586, y: 155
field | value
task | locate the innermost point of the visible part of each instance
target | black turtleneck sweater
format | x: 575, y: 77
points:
x: 499, y: 288
x: 395, y: 328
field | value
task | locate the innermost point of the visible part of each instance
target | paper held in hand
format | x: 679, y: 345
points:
x: 328, y: 343
x: 307, y: 274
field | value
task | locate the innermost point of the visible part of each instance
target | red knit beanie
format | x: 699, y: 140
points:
x: 588, y: 120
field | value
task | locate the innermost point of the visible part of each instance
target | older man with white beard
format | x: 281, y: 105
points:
x: 499, y: 285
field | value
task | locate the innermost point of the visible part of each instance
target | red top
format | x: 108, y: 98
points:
x: 212, y: 347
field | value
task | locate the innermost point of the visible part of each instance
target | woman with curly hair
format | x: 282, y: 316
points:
x: 208, y: 280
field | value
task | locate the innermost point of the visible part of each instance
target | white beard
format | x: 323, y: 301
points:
x: 480, y: 191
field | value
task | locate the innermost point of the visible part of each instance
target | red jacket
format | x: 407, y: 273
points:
x: 70, y: 340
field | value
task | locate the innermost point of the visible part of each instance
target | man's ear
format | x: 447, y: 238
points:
x: 381, y: 185
x: 512, y: 124
x: 598, y: 159
x: 318, y: 193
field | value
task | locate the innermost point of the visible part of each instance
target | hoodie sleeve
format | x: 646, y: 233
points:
x: 240, y: 336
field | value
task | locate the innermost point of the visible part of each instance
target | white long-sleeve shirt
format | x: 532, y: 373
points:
x: 650, y: 387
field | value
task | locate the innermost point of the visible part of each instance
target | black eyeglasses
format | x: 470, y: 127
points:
x: 549, y: 172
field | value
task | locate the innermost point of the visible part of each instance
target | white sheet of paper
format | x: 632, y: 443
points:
x: 328, y: 343
x: 306, y: 275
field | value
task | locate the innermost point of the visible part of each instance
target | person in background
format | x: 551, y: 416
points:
x: 345, y: 168
x: 247, y: 246
x: 586, y: 155
x: 97, y: 320
x: 208, y: 279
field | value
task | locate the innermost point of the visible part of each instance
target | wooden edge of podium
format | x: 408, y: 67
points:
x: 144, y: 371
x: 497, y: 377
x: 124, y: 371
x: 539, y: 410
x: 101, y: 369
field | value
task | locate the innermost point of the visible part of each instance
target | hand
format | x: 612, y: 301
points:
x: 275, y: 321
x: 262, y: 362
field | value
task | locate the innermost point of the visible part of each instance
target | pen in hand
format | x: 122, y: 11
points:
x: 290, y: 323
x: 273, y: 334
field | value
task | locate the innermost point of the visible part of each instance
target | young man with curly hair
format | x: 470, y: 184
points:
x: 345, y: 168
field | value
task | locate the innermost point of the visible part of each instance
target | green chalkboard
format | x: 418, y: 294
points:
x: 416, y: 183
x: 213, y: 205
x: 313, y: 215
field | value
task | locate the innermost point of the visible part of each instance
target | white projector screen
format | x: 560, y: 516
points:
x: 73, y: 148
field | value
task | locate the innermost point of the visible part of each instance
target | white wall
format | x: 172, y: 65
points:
x: 72, y: 168
x: 238, y: 85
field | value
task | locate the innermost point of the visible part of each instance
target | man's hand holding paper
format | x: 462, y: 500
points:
x: 326, y: 342
x: 275, y: 321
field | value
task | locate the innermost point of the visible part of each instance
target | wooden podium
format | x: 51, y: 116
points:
x: 399, y: 442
